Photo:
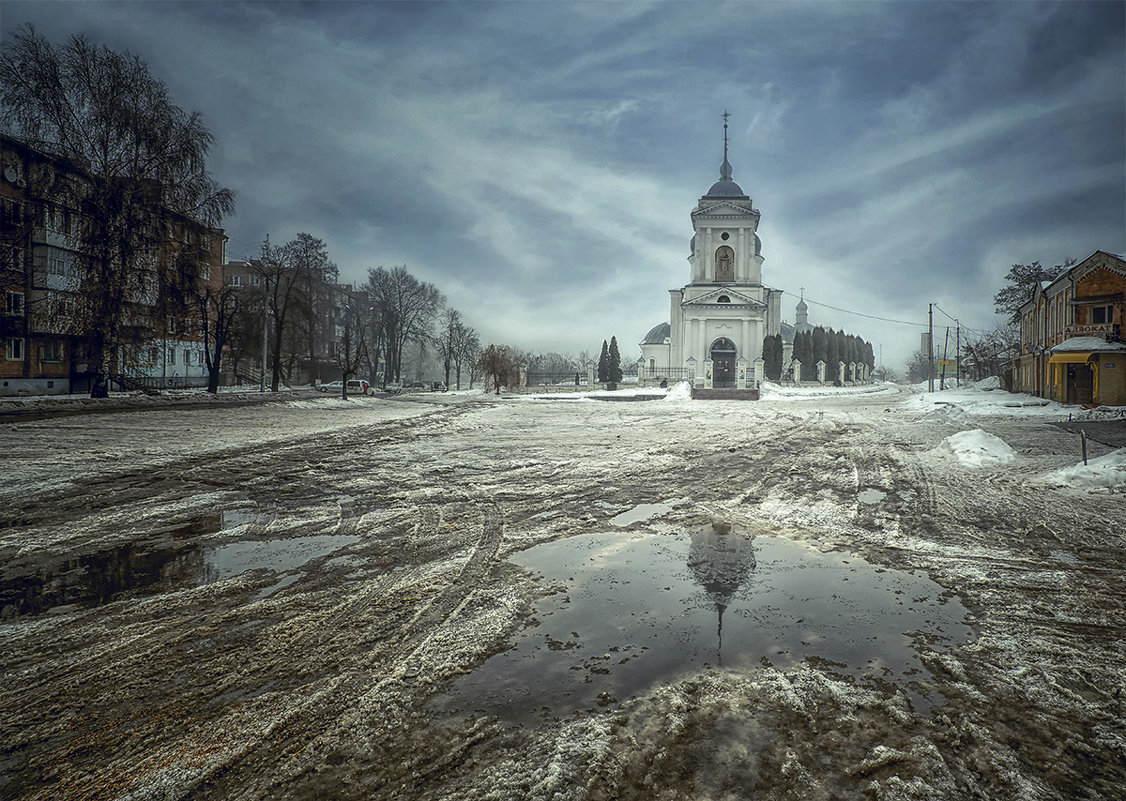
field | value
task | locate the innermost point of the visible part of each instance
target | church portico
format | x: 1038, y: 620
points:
x: 725, y: 301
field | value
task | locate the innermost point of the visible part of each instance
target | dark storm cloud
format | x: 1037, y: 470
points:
x: 538, y: 161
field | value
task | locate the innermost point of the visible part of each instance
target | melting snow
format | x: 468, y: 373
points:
x: 979, y: 448
x: 1107, y: 471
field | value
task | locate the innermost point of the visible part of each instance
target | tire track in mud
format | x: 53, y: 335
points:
x: 270, y: 761
x: 273, y: 462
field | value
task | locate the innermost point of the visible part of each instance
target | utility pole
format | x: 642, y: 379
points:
x: 265, y: 339
x: 945, y: 345
x: 930, y: 347
x: 958, y: 354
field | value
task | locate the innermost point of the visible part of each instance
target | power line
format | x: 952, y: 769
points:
x: 959, y: 322
x: 861, y: 314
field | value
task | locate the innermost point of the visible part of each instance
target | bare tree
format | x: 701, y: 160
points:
x: 218, y: 314
x: 281, y: 296
x: 315, y: 274
x: 352, y: 349
x: 405, y: 307
x: 291, y: 276
x: 497, y: 363
x: 140, y: 163
x: 466, y: 351
x: 990, y: 354
x: 456, y: 343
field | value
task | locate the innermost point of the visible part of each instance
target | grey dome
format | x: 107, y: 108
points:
x: 657, y: 335
x: 726, y: 188
x: 758, y: 246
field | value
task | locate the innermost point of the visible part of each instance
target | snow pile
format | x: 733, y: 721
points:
x: 1107, y: 471
x: 334, y: 402
x: 771, y: 391
x: 987, y: 384
x: 978, y: 448
x: 681, y: 391
x: 981, y: 402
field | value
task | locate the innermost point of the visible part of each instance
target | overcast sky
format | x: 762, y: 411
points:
x: 538, y: 161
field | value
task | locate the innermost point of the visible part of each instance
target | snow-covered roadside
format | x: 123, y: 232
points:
x: 986, y: 399
x: 772, y: 391
x: 1104, y: 472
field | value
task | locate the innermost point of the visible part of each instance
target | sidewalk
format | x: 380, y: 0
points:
x: 45, y: 406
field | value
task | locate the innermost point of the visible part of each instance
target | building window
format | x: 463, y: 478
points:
x: 204, y: 271
x: 187, y: 357
x: 1102, y: 314
x: 255, y: 280
x: 723, y: 299
x: 11, y: 213
x: 51, y: 350
x: 201, y: 361
x: 13, y: 258
x: 235, y: 280
x: 152, y: 355
x: 171, y: 355
x: 13, y: 303
x: 13, y: 349
x: 60, y: 262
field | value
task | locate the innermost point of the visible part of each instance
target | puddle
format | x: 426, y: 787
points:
x: 140, y: 568
x: 871, y: 496
x: 643, y: 511
x: 643, y: 609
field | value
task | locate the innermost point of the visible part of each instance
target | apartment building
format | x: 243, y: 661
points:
x: 44, y: 331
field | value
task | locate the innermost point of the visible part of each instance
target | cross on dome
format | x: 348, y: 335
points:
x: 725, y: 186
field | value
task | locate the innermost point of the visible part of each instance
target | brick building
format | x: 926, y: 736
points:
x: 1071, y: 346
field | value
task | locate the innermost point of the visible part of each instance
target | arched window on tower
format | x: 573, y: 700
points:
x: 723, y: 299
x: 724, y: 264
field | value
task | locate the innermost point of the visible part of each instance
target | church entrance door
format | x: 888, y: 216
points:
x: 723, y: 363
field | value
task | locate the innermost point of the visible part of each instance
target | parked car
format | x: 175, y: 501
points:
x: 356, y: 386
x: 437, y: 386
x: 394, y: 388
x: 415, y: 385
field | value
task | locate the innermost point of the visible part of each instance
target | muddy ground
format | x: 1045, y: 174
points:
x: 312, y: 600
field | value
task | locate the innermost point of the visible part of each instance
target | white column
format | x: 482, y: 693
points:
x: 745, y: 345
x: 741, y: 262
x: 708, y: 271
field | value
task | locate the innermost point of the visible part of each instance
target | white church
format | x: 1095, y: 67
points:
x: 718, y: 320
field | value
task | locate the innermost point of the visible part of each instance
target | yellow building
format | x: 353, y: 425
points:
x: 1071, y: 337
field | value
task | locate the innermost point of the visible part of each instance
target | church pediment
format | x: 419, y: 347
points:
x: 725, y: 208
x: 724, y: 297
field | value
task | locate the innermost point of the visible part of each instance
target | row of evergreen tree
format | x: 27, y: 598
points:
x: 818, y: 345
x: 610, y: 363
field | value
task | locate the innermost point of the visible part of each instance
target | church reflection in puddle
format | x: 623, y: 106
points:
x: 721, y: 562
x: 641, y: 609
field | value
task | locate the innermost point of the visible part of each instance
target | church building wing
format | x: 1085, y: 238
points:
x: 717, y: 320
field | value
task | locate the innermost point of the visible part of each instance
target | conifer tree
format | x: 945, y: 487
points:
x: 820, y: 347
x: 613, y: 362
x: 832, y: 355
x: 603, y: 364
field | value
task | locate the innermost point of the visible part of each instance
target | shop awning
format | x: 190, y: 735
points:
x: 1071, y: 358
